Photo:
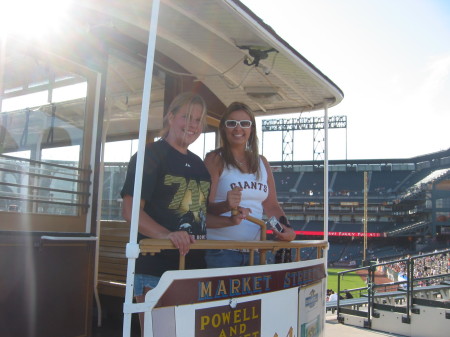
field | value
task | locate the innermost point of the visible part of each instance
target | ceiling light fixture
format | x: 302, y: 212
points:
x: 263, y: 94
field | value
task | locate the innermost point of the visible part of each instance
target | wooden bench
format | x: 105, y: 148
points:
x: 112, y: 268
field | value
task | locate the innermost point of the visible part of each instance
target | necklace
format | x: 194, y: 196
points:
x: 240, y: 163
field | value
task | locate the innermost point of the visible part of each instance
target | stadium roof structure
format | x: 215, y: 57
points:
x: 435, y: 159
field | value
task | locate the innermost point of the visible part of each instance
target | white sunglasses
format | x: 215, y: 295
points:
x: 231, y: 123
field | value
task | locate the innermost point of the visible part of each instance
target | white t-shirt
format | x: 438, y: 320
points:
x: 333, y: 297
x: 254, y: 192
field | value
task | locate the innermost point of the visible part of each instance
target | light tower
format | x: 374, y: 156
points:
x: 288, y: 125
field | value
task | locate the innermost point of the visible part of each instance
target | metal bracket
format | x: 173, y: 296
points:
x: 131, y: 308
x: 132, y: 250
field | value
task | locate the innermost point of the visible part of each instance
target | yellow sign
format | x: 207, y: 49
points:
x: 242, y: 321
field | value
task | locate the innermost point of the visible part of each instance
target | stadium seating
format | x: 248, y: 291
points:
x: 285, y: 181
x: 383, y: 182
x: 311, y: 183
x: 348, y: 182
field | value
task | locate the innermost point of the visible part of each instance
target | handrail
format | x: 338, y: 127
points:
x: 45, y: 201
x: 65, y: 171
x: 69, y: 238
x: 260, y: 223
x: 82, y: 181
x: 30, y: 195
x: 256, y: 221
x: 43, y: 188
x: 44, y: 163
x: 409, y: 290
x: 152, y: 246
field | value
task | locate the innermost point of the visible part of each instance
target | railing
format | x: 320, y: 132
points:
x: 407, y: 228
x: 30, y: 186
x: 114, y: 236
x: 403, y: 290
x: 152, y: 246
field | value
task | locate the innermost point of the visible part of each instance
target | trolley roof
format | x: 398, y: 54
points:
x: 217, y: 46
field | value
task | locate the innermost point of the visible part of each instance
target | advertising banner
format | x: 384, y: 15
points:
x: 311, y: 310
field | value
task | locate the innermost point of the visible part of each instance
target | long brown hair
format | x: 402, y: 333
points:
x: 251, y: 150
x: 185, y: 98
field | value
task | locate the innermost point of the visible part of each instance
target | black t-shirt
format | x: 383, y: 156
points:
x: 175, y: 188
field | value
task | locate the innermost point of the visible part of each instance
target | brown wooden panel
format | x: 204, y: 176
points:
x: 112, y: 255
x: 14, y: 221
x: 113, y: 268
x: 47, y: 289
x: 112, y: 248
x: 113, y: 260
x: 117, y: 236
x: 108, y: 278
x: 111, y: 289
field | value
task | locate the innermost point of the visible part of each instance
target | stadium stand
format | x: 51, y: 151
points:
x: 411, y: 220
x: 346, y: 182
x: 311, y: 184
x: 335, y: 252
x: 378, y: 227
x: 387, y: 182
x: 313, y: 226
x: 285, y: 181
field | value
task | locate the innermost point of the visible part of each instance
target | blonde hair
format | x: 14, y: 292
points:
x: 251, y: 151
x: 185, y: 98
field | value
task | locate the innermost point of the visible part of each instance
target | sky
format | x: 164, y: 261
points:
x: 390, y: 58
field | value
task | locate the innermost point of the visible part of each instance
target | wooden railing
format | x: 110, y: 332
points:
x: 152, y: 246
x: 114, y: 235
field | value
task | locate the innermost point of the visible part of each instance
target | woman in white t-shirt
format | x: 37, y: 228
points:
x: 333, y: 296
x: 240, y: 179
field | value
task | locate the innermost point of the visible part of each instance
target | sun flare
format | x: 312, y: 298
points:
x: 31, y: 18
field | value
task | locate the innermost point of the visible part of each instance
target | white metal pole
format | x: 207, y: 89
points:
x: 325, y: 194
x: 132, y: 250
x: 325, y: 174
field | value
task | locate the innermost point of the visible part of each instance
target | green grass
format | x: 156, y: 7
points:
x: 350, y: 281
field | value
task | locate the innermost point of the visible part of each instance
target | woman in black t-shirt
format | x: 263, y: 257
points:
x: 175, y: 189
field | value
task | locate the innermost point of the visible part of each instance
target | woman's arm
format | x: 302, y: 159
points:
x: 149, y: 227
x: 218, y: 221
x: 273, y: 208
x: 213, y: 163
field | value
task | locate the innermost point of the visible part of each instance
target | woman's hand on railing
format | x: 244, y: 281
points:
x: 182, y: 240
x: 236, y: 218
x: 241, y: 211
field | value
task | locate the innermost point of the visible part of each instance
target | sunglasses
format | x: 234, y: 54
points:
x: 231, y: 123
